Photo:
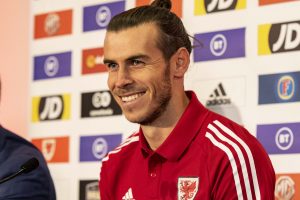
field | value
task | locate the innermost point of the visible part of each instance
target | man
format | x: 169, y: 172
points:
x: 14, y: 152
x: 182, y: 150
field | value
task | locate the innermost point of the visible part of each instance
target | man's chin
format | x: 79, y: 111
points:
x: 146, y: 121
x: 138, y: 120
x: 133, y: 119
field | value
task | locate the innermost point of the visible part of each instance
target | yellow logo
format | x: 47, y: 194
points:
x: 56, y: 107
x: 202, y: 7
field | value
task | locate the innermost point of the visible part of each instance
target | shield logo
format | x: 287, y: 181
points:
x: 187, y: 187
x: 285, y: 188
x: 48, y: 148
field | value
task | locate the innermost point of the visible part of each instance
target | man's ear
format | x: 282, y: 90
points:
x: 182, y: 60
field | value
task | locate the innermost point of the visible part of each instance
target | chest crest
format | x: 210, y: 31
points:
x: 187, y: 187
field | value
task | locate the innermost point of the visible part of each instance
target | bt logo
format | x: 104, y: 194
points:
x: 100, y: 148
x: 218, y: 45
x: 284, y: 138
x: 51, y: 66
x: 103, y: 16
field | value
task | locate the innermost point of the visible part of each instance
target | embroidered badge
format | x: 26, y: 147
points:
x: 187, y: 188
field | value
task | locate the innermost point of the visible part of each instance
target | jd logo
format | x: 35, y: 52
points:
x: 203, y: 7
x: 51, y: 108
x: 220, y: 5
x: 285, y: 37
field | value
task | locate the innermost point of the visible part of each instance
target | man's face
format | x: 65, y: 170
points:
x: 138, y: 77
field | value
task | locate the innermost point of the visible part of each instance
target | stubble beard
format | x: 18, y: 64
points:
x: 162, y: 100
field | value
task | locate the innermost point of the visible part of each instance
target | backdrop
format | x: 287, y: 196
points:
x: 247, y: 69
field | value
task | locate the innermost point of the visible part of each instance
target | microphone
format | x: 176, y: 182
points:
x: 27, y: 167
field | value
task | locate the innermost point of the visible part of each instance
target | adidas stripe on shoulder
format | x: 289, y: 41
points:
x: 133, y: 138
x: 223, y: 138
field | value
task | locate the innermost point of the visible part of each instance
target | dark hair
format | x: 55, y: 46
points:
x: 172, y: 32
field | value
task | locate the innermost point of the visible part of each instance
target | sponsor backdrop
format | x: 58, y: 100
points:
x: 245, y: 65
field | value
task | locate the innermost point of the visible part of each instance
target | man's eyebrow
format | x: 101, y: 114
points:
x: 105, y: 60
x: 139, y: 56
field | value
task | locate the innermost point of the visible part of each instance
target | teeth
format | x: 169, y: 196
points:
x: 131, y: 98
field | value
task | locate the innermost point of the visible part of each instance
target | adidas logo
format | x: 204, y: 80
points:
x: 218, y: 97
x: 128, y: 195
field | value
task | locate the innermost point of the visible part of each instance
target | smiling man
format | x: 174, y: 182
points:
x: 182, y: 150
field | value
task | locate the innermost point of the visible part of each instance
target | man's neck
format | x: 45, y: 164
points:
x: 157, y: 132
x: 155, y: 136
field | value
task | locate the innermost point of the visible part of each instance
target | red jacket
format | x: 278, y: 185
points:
x: 206, y: 157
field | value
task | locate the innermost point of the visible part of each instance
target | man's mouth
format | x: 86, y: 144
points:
x: 130, y: 98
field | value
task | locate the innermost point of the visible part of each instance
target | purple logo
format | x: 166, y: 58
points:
x: 280, y: 138
x: 52, y: 66
x: 98, y: 16
x: 220, y: 45
x: 95, y: 148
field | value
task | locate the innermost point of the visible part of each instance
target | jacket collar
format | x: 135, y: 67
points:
x: 183, y: 134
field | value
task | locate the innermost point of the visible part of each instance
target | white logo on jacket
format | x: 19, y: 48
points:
x: 187, y: 188
x: 128, y: 195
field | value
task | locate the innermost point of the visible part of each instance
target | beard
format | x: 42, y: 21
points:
x: 159, y: 103
x: 162, y: 100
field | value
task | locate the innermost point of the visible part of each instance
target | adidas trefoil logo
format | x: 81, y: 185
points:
x: 218, y: 97
x: 128, y: 195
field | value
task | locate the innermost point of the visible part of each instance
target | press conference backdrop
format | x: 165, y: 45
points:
x: 247, y: 69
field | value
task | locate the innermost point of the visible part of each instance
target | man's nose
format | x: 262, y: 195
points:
x: 123, y: 77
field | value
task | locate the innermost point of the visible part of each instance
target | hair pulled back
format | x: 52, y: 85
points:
x: 172, y: 32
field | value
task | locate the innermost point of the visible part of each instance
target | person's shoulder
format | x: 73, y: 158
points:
x: 13, y: 138
x: 15, y: 151
x: 219, y: 131
x: 124, y: 149
x: 218, y: 123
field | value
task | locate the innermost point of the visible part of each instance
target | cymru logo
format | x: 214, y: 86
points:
x: 187, y: 188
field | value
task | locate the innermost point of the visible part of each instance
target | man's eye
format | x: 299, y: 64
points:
x: 137, y: 62
x: 111, y: 66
